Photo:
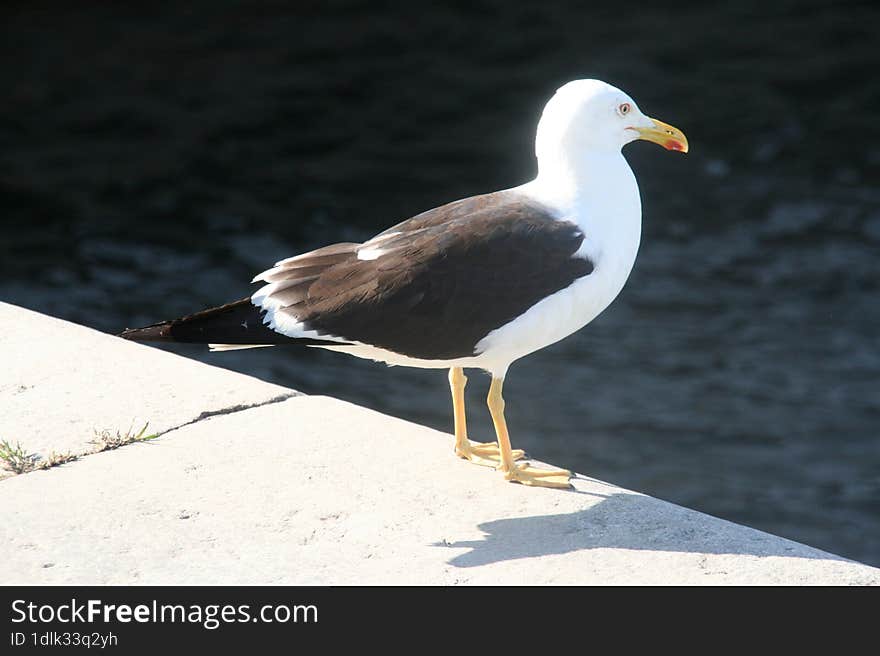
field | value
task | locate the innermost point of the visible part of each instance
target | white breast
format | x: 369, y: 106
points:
x: 604, y: 200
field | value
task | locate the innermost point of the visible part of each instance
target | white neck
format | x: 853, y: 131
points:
x: 598, y: 181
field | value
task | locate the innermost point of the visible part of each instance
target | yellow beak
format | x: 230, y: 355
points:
x: 661, y: 133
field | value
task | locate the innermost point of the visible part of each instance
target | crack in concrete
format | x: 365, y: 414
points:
x: 207, y: 414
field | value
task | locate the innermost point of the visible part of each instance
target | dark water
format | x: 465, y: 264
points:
x: 152, y: 161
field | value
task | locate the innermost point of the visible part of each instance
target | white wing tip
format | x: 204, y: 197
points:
x: 368, y: 254
x: 235, y: 347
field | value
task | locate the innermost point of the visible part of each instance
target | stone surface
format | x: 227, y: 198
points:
x: 312, y: 490
x: 60, y: 382
x: 317, y: 491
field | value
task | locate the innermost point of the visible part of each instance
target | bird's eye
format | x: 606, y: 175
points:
x: 623, y: 109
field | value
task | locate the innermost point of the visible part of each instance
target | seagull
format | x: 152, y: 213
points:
x: 476, y: 283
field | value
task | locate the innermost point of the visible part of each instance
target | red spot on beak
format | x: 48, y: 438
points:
x: 672, y: 144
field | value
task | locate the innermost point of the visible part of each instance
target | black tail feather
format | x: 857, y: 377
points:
x: 239, y: 322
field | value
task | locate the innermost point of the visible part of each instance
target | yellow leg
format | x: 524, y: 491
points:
x: 512, y: 472
x: 476, y: 452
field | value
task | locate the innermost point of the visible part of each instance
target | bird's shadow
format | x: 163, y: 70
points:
x: 621, y: 521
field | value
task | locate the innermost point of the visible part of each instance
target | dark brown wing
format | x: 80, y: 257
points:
x: 441, y: 281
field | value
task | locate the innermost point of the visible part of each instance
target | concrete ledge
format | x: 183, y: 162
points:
x: 312, y: 490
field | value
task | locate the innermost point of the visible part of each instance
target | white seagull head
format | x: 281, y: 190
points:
x: 591, y: 116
